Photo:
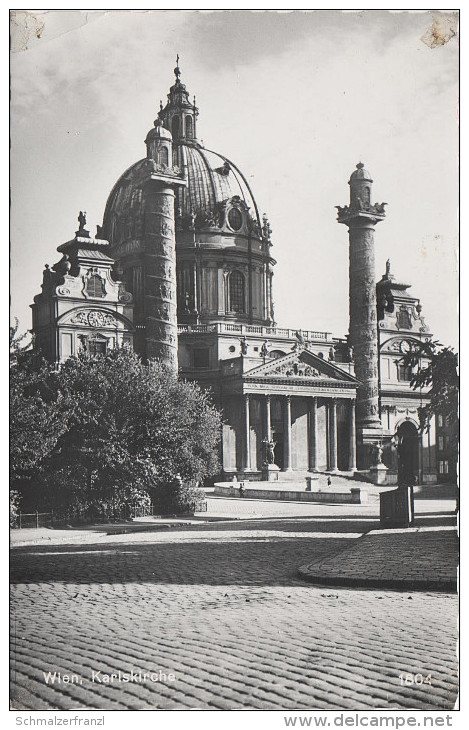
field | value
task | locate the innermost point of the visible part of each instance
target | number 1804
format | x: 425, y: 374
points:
x: 408, y: 679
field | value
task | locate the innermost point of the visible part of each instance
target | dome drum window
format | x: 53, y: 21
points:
x: 236, y: 293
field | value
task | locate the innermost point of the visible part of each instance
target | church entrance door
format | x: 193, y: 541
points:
x: 408, y: 453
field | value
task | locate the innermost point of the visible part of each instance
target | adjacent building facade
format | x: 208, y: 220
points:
x: 186, y: 269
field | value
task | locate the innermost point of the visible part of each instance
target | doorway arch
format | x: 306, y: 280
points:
x: 408, y: 453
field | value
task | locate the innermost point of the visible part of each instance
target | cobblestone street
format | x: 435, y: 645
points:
x: 222, y: 608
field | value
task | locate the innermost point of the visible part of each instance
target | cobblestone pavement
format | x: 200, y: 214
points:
x: 430, y: 556
x: 222, y: 608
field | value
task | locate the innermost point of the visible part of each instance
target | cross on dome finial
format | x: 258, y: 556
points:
x: 177, y: 70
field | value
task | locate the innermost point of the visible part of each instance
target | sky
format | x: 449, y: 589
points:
x: 295, y: 99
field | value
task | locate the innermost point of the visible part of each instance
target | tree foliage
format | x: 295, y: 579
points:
x: 111, y: 431
x: 436, y: 367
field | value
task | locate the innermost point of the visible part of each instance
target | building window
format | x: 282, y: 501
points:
x: 201, y: 358
x: 175, y: 126
x: 275, y: 354
x: 189, y: 127
x: 366, y: 195
x: 235, y: 219
x: 96, y: 346
x: 163, y: 157
x: 440, y: 420
x: 236, y: 298
x: 95, y: 286
x: 403, y: 320
x: 441, y: 443
x: 404, y: 372
x: 443, y: 466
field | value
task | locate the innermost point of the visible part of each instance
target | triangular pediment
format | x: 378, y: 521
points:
x: 300, y: 366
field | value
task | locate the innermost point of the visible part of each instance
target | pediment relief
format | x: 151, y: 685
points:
x: 304, y: 365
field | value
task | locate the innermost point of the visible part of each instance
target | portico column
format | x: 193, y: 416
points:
x: 333, y: 433
x: 247, y: 434
x: 268, y: 423
x: 352, y: 462
x: 287, y: 434
x: 313, y: 435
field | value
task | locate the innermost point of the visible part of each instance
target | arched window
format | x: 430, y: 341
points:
x: 95, y: 286
x: 275, y: 354
x: 366, y: 195
x: 236, y: 298
x: 189, y: 127
x: 163, y: 157
x: 175, y: 127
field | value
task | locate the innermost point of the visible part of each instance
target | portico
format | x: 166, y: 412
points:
x: 301, y: 404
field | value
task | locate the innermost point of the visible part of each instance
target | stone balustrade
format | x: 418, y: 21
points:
x: 247, y: 329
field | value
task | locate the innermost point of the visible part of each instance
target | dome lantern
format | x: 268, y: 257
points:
x: 179, y: 115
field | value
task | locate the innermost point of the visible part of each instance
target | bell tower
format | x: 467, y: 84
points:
x: 361, y: 217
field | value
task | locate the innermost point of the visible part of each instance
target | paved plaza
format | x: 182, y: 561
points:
x: 218, y: 613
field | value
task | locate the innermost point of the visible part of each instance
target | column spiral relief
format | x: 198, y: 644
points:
x: 160, y: 277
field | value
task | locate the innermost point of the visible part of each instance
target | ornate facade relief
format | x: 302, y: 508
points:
x: 95, y: 318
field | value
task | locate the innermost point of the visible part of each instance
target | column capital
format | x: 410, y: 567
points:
x: 288, y: 398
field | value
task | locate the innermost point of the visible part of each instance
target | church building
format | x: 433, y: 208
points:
x: 182, y: 269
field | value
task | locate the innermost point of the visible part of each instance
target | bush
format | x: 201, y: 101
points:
x: 175, y: 497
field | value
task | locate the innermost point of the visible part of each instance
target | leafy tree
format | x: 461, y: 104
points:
x: 436, y: 366
x: 18, y: 343
x: 38, y: 417
x: 127, y: 430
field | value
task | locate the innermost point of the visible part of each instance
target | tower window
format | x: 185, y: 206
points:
x: 236, y: 298
x: 163, y: 157
x: 97, y: 347
x: 95, y: 286
x: 175, y: 127
x: 189, y: 127
x: 403, y: 320
x: 366, y: 195
x: 404, y: 372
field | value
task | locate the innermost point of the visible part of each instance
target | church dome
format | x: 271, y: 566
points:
x: 223, y: 261
x: 211, y: 179
x: 214, y: 184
